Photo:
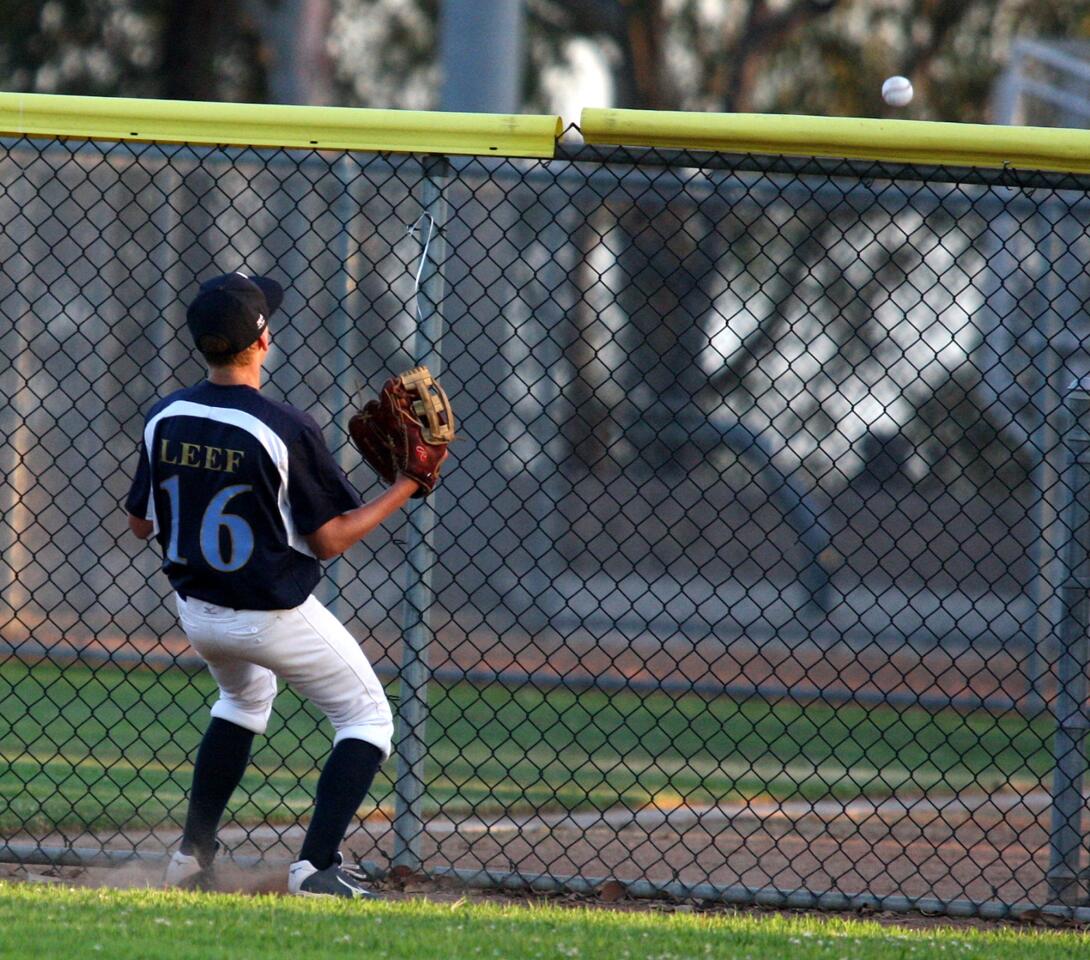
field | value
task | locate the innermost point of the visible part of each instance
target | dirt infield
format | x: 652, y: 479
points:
x: 978, y: 847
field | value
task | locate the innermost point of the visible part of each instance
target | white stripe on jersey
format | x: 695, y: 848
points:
x: 265, y: 435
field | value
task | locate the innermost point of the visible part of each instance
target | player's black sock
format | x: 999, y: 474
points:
x: 345, y: 780
x: 221, y: 761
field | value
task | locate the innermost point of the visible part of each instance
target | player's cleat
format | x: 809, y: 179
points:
x: 186, y: 872
x: 306, y: 880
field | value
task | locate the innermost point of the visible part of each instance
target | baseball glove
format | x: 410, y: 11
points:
x: 406, y: 430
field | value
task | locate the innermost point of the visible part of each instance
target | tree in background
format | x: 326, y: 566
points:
x: 194, y: 50
x: 386, y: 52
x: 800, y: 56
x: 821, y: 57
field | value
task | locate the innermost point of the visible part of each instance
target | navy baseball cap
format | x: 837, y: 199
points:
x: 230, y: 312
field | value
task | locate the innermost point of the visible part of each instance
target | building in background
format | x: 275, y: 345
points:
x: 1045, y: 84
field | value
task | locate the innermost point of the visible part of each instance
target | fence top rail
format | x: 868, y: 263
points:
x: 902, y: 142
x: 894, y: 141
x: 271, y: 125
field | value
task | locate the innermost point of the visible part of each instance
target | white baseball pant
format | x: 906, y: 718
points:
x: 307, y: 647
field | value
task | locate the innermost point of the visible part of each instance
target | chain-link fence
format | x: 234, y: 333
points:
x: 760, y: 570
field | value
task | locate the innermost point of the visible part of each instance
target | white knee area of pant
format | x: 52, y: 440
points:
x: 379, y: 734
x: 253, y: 720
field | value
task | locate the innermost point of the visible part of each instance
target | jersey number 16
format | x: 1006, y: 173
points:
x: 215, y: 518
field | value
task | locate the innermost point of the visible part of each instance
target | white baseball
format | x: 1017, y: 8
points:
x: 897, y: 91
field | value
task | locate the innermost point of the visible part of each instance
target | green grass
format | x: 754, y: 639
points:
x: 109, y: 747
x: 68, y: 922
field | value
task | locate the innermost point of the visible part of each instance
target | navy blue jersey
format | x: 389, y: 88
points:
x: 233, y: 482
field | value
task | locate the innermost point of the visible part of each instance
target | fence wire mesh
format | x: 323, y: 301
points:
x: 761, y: 571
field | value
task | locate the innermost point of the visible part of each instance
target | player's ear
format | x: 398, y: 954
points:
x: 264, y: 339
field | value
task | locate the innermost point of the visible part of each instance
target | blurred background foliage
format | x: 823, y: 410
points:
x: 799, y: 56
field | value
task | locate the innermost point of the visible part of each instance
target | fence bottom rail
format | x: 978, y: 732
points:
x: 740, y: 895
x: 27, y: 854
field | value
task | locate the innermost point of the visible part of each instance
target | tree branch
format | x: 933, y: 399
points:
x: 761, y: 31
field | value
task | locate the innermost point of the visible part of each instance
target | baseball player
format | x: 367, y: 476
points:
x: 245, y: 499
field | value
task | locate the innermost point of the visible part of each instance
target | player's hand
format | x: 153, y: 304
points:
x: 140, y: 526
x: 416, y: 483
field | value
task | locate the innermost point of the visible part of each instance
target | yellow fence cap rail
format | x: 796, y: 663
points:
x: 261, y: 125
x: 892, y: 141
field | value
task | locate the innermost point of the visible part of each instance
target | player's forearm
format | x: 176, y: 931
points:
x: 340, y: 533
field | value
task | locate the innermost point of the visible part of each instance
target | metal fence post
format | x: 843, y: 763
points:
x: 1069, y: 747
x: 424, y: 348
x: 339, y: 572
x: 1048, y: 466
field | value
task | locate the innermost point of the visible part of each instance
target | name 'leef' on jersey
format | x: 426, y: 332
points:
x: 233, y: 482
